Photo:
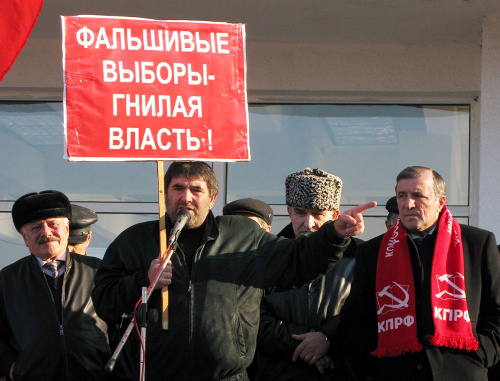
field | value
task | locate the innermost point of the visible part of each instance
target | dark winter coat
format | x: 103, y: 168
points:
x: 314, y: 306
x: 30, y: 332
x: 214, y: 310
x: 482, y: 281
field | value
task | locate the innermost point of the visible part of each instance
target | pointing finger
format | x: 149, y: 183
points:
x: 361, y: 208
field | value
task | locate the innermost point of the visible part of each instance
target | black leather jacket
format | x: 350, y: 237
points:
x: 314, y: 306
x: 30, y: 332
x: 214, y: 310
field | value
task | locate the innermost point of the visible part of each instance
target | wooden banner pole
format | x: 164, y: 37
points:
x: 163, y: 240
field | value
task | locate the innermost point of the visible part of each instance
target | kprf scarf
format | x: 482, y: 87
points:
x: 395, y: 292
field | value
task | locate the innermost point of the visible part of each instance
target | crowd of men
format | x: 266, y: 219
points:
x: 420, y: 302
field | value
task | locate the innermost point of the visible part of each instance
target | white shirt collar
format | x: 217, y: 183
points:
x: 62, y: 258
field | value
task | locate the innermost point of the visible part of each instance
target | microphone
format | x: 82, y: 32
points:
x: 183, y: 218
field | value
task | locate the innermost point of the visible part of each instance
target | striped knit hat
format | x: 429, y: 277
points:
x: 313, y: 189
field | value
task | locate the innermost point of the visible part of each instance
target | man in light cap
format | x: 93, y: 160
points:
x: 298, y: 327
x: 251, y: 208
x: 49, y: 329
x: 80, y: 233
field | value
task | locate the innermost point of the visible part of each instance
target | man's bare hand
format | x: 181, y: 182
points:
x: 351, y: 222
x: 325, y: 362
x: 313, y: 346
x: 165, y: 278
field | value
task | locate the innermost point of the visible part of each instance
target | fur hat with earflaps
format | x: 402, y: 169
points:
x: 40, y: 206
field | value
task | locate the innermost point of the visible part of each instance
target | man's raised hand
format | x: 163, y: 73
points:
x: 351, y: 222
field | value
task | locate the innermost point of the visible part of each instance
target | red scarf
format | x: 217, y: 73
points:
x: 395, y: 292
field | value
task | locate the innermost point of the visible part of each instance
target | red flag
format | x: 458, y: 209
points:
x: 17, y: 20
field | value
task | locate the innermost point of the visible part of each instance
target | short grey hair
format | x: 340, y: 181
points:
x: 417, y: 171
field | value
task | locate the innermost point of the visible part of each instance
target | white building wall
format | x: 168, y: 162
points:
x: 489, y: 139
x: 365, y: 68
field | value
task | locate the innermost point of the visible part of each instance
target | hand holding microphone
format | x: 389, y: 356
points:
x: 165, y: 278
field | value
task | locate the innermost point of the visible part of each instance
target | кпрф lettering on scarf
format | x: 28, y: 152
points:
x: 395, y: 293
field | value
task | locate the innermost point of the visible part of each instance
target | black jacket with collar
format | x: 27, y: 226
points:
x: 314, y: 306
x: 30, y: 332
x: 214, y: 310
x: 358, y: 325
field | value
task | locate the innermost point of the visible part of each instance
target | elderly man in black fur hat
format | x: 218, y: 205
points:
x: 49, y: 329
x: 298, y: 327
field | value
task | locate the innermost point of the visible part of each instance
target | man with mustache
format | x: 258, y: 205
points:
x: 425, y: 300
x: 216, y: 280
x: 48, y: 326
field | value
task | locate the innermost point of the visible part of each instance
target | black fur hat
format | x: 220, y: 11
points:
x: 39, y: 206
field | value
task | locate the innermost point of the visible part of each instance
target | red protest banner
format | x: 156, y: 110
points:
x: 142, y: 89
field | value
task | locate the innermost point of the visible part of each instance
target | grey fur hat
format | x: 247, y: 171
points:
x: 313, y: 189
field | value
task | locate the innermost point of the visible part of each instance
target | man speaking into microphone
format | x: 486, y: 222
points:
x: 216, y: 280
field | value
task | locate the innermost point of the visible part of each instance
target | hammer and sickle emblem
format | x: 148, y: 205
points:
x: 398, y: 302
x: 448, y: 278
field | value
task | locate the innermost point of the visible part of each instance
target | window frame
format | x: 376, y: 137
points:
x: 298, y: 97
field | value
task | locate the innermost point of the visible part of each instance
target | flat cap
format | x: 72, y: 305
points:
x: 40, y: 206
x: 79, y: 225
x: 392, y: 205
x: 250, y: 206
x: 313, y: 189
